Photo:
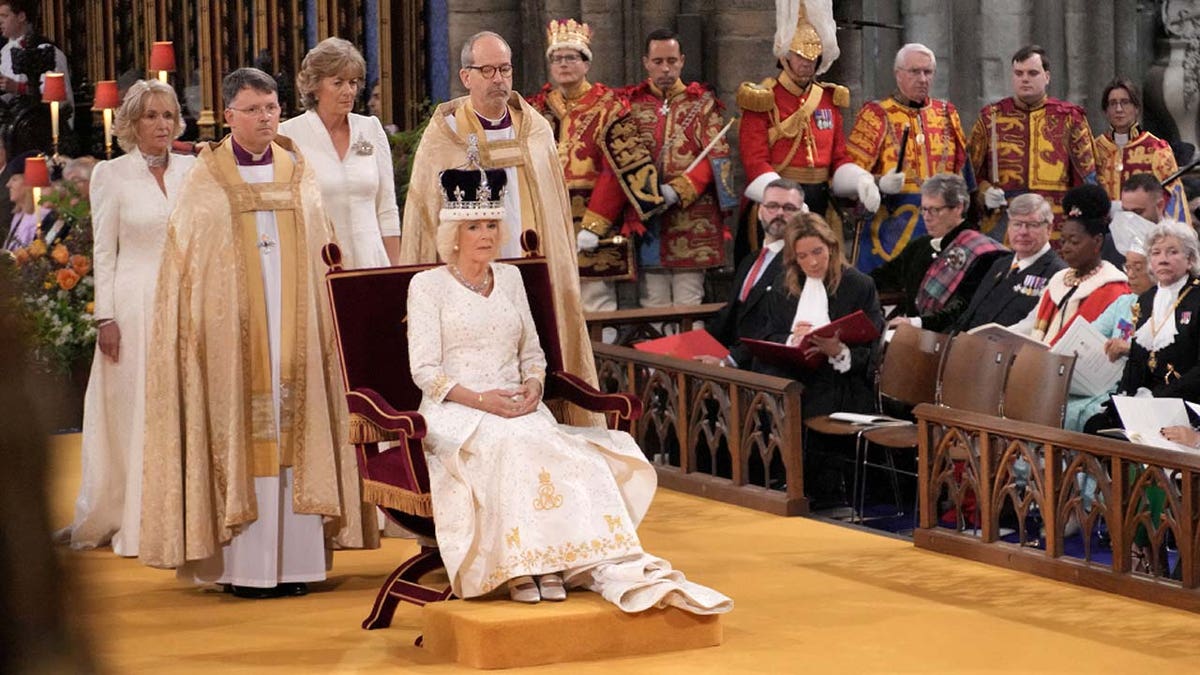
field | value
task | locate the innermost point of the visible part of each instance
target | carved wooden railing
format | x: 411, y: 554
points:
x: 721, y: 433
x: 1032, y: 484
x: 649, y: 322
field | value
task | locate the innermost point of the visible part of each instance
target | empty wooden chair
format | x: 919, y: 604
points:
x: 1037, y: 387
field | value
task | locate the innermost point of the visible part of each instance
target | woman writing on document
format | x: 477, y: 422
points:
x: 820, y: 288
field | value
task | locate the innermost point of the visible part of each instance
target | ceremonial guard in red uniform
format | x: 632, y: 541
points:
x: 1029, y: 142
x: 1126, y: 149
x: 588, y: 120
x: 792, y: 124
x: 910, y: 128
x: 682, y: 128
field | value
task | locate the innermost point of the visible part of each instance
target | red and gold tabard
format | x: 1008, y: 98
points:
x: 935, y: 144
x: 1045, y: 148
x: 1143, y: 153
x: 676, y: 126
x: 579, y: 124
x: 792, y: 130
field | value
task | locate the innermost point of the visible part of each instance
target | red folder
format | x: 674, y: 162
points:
x: 852, y: 329
x: 685, y: 345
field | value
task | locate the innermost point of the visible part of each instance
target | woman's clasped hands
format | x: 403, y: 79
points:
x: 513, y: 402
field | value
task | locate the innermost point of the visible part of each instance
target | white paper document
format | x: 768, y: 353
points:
x: 1144, y: 417
x: 1094, y: 374
x: 871, y: 420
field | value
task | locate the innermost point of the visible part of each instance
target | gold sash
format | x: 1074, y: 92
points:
x: 273, y: 443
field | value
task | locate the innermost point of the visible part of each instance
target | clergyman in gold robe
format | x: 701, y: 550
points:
x: 242, y: 471
x: 509, y: 135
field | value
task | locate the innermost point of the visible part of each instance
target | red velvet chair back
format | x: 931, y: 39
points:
x: 370, y: 312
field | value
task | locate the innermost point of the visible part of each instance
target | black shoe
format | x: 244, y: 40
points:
x: 259, y: 593
x: 294, y: 588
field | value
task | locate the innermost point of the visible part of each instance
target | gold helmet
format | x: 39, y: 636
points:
x: 568, y: 34
x: 807, y: 28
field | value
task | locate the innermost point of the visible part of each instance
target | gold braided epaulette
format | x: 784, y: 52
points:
x: 758, y: 98
x: 841, y: 94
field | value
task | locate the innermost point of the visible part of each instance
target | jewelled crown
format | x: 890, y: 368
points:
x: 472, y: 194
x: 569, y: 34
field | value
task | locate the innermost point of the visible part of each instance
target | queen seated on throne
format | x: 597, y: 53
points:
x: 519, y: 499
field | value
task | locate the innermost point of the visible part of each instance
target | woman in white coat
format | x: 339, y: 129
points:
x: 349, y: 153
x: 131, y: 199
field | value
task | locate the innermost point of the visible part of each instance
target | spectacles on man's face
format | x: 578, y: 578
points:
x: 569, y: 59
x: 488, y: 72
x: 933, y: 210
x: 270, y: 110
x: 776, y: 206
x: 1026, y: 224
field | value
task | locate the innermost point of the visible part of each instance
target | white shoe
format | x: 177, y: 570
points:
x: 551, y: 587
x: 522, y: 589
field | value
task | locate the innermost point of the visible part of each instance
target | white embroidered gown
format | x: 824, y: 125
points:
x: 526, y: 495
x: 129, y: 219
x: 358, y: 191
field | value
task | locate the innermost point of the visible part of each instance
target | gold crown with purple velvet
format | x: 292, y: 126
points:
x: 569, y: 34
x: 472, y: 194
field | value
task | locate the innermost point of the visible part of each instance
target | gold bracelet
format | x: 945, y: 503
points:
x: 480, y: 399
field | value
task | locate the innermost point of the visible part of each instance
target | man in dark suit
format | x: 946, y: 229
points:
x: 1013, y: 284
x: 745, y: 314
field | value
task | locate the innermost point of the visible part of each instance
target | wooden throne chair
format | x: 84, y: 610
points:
x: 369, y: 311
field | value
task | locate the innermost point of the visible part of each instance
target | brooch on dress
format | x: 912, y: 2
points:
x: 362, y: 146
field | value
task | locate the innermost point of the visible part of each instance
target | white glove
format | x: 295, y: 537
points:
x: 993, y: 198
x: 868, y: 193
x: 669, y: 194
x: 586, y: 240
x: 891, y: 183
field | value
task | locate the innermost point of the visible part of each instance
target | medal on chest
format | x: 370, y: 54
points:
x: 824, y: 118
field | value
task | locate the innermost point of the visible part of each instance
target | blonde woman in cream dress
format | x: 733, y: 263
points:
x: 131, y: 199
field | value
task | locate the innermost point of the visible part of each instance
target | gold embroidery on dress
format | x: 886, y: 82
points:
x: 513, y: 538
x: 563, y: 556
x: 546, y: 500
x: 614, y: 523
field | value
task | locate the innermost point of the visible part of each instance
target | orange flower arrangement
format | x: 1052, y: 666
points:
x: 82, y: 265
x: 57, y: 285
x: 67, y: 278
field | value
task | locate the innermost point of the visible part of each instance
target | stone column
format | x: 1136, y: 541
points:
x: 467, y: 17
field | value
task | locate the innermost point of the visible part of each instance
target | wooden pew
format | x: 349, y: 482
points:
x: 1125, y: 474
x: 643, y: 320
x: 721, y: 433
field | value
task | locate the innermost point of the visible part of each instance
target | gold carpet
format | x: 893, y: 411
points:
x: 811, y: 597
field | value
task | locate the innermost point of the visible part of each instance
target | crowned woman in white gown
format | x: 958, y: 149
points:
x: 518, y: 497
x: 131, y: 199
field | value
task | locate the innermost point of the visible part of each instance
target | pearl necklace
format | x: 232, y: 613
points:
x: 481, y: 287
x: 157, y: 161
